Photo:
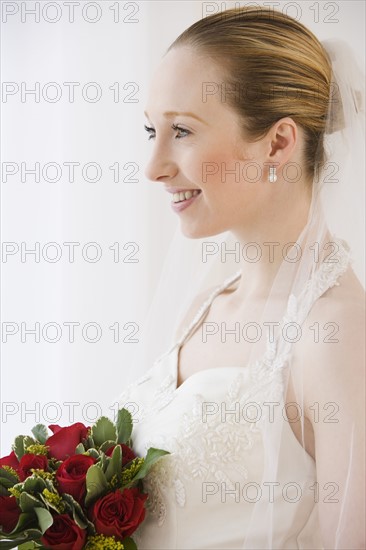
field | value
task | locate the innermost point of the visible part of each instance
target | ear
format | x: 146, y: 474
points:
x: 281, y: 141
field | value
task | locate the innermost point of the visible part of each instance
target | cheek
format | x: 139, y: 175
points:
x: 230, y: 185
x: 214, y: 168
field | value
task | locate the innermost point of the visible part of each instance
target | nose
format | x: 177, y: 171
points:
x: 160, y: 167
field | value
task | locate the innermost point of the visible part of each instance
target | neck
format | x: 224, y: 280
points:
x: 264, y: 246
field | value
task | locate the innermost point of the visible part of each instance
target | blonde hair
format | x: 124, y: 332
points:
x: 279, y: 64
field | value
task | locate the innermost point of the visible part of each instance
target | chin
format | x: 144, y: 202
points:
x: 192, y: 232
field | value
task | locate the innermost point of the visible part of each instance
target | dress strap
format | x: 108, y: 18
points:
x: 201, y: 312
x: 205, y: 306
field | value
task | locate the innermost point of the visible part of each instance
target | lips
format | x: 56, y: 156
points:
x: 185, y: 196
x: 179, y: 206
x: 181, y: 189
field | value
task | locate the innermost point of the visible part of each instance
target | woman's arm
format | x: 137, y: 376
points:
x: 334, y: 403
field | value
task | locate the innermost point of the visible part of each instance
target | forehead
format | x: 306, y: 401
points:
x: 184, y: 81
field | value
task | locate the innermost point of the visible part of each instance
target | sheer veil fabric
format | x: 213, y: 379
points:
x: 308, y: 283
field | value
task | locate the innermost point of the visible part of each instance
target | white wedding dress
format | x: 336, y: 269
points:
x: 201, y: 495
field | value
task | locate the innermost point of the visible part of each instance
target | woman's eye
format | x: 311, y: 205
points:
x: 175, y: 127
x: 151, y: 131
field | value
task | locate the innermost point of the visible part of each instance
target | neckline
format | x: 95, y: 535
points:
x: 229, y: 368
x: 175, y: 353
x: 175, y: 390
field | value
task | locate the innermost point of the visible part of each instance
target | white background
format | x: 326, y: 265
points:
x: 35, y: 375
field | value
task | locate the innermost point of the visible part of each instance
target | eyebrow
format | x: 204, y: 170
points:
x: 182, y: 113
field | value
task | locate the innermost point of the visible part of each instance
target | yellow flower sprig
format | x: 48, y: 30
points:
x: 54, y: 499
x: 131, y: 471
x: 37, y: 449
x: 43, y: 474
x: 101, y: 542
x: 14, y: 491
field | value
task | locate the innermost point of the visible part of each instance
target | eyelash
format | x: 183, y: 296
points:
x: 173, y: 126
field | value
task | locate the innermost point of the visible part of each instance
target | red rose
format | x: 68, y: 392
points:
x: 71, y: 475
x: 119, y: 513
x: 64, y: 440
x: 10, y: 460
x: 9, y: 513
x: 127, y: 453
x: 28, y: 461
x: 64, y: 534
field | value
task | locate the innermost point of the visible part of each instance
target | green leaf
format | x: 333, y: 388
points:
x: 103, y: 430
x: 26, y: 521
x: 114, y: 467
x: 88, y: 442
x: 28, y: 502
x: 49, y: 485
x: 21, y: 443
x: 25, y: 542
x: 94, y: 453
x: 107, y: 445
x: 34, y: 484
x: 54, y: 464
x: 49, y: 505
x: 6, y: 483
x: 27, y: 441
x: 152, y: 456
x: 78, y: 514
x: 79, y: 449
x: 124, y: 425
x: 4, y: 492
x: 6, y: 475
x: 18, y: 446
x: 45, y: 518
x: 96, y: 484
x: 40, y: 433
x: 7, y: 544
x: 103, y: 462
x: 129, y: 544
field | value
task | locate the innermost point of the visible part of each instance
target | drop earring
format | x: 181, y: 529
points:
x: 272, y: 177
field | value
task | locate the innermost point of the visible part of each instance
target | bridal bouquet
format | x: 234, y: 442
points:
x: 78, y: 488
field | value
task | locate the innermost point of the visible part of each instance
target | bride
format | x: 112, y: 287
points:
x: 265, y: 426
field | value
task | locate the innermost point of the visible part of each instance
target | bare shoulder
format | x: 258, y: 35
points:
x: 329, y: 357
x: 343, y: 303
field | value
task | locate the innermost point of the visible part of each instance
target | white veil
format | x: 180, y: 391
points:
x: 336, y: 216
x: 336, y: 192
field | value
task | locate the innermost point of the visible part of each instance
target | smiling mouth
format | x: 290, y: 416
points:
x: 186, y: 195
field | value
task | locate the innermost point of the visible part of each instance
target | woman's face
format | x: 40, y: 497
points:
x: 208, y: 155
